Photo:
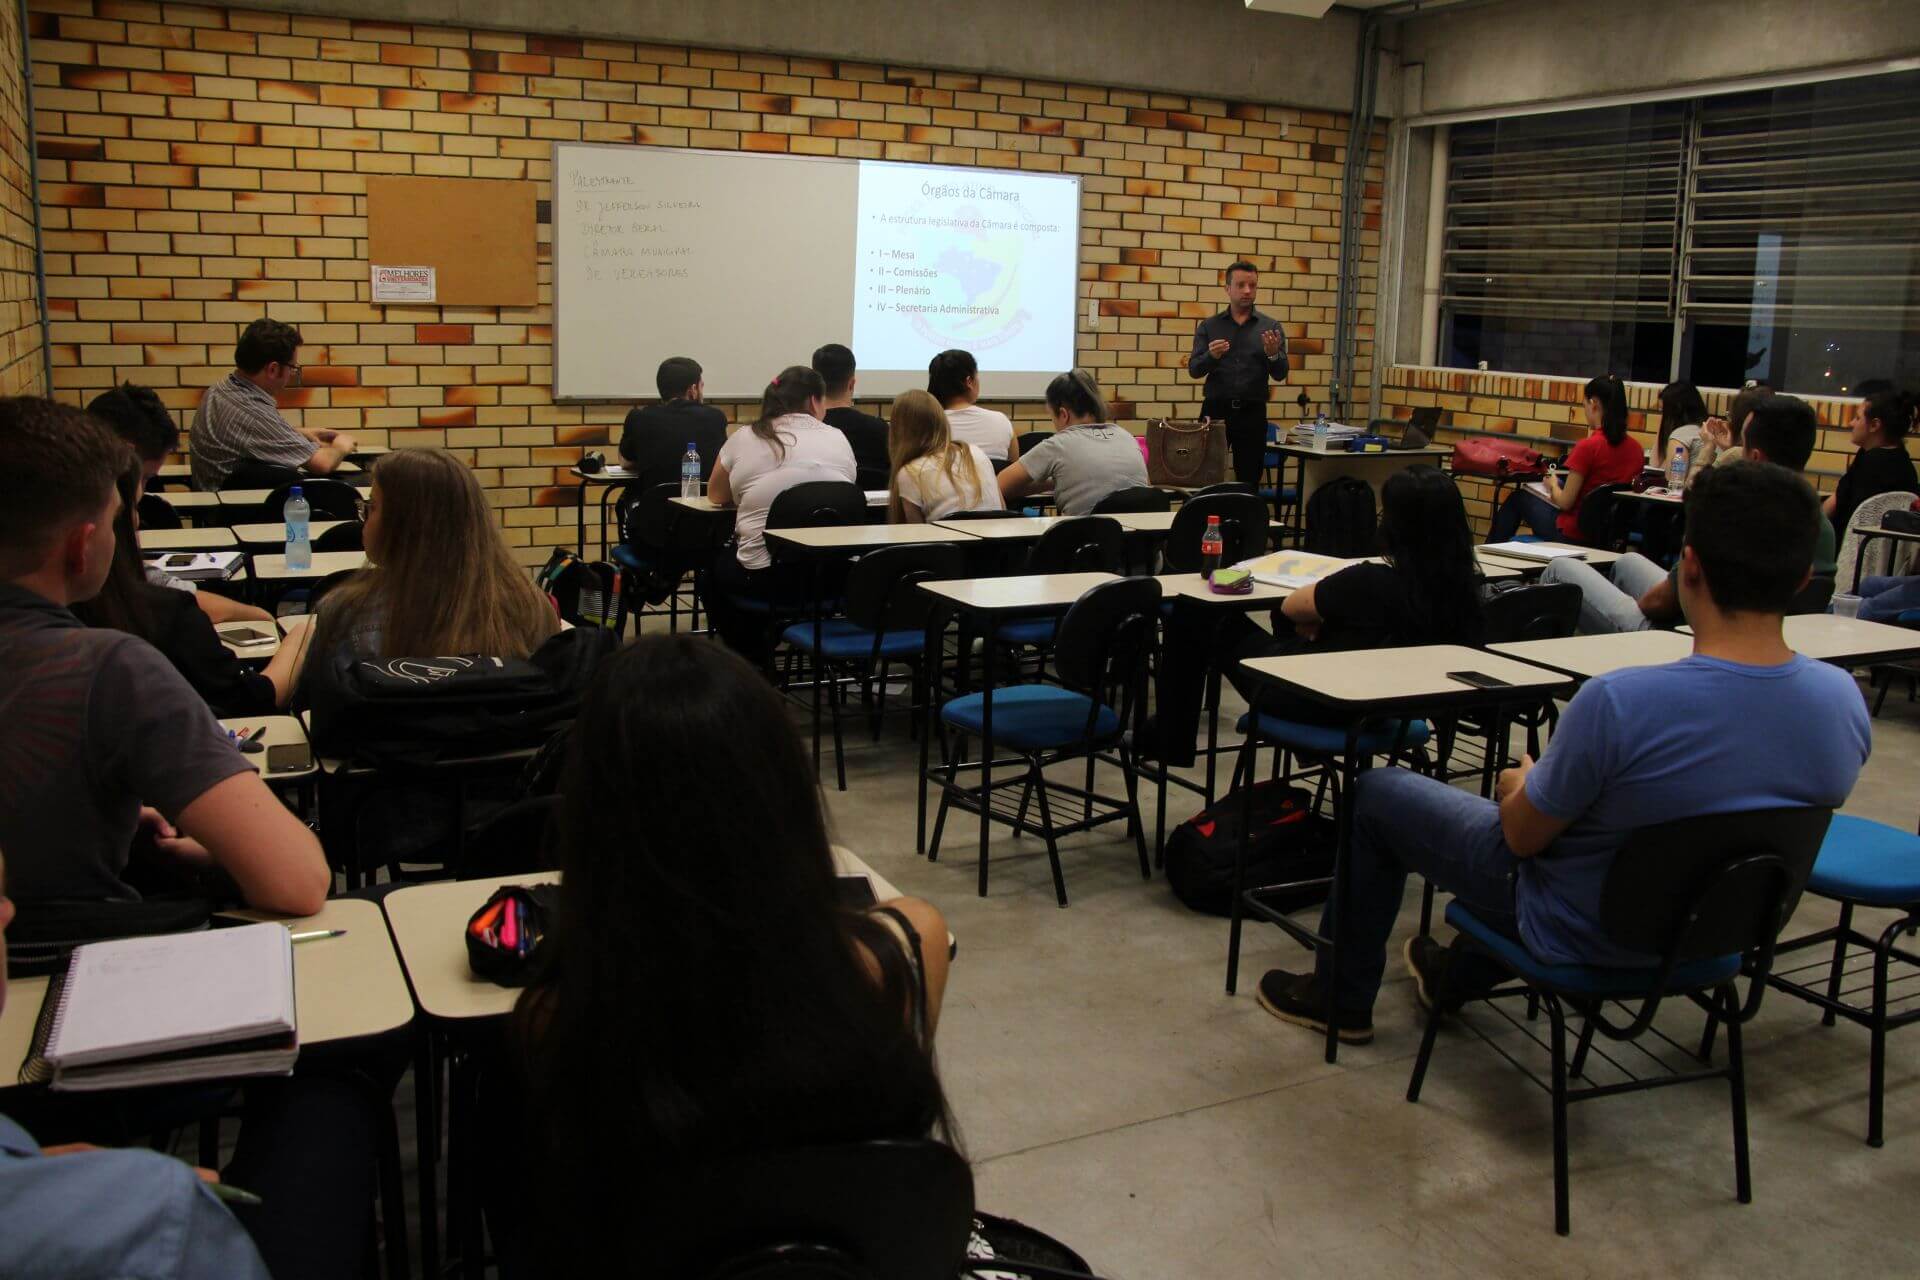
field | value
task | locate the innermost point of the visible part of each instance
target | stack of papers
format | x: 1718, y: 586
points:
x: 1338, y: 434
x: 1293, y: 569
x: 1542, y: 551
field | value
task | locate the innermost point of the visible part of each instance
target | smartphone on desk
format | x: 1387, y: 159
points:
x: 1479, y: 680
x: 856, y: 892
x: 245, y: 636
x: 179, y: 561
x: 289, y: 757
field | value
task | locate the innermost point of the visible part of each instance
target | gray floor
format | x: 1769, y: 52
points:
x: 1108, y: 1091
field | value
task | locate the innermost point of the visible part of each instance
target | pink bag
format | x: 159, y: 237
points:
x: 1492, y: 456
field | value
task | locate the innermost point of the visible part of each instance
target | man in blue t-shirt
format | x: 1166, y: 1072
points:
x: 1745, y: 723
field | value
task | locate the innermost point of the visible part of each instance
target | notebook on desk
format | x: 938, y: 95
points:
x: 196, y: 566
x: 1542, y: 551
x: 168, y: 1009
x: 1293, y: 569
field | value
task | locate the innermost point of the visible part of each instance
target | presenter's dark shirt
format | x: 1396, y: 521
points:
x: 1242, y: 373
x: 868, y: 437
x: 656, y: 437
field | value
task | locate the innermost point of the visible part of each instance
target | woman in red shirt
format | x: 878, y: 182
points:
x: 1607, y: 456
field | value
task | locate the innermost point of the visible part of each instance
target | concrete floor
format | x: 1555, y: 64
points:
x: 1109, y: 1092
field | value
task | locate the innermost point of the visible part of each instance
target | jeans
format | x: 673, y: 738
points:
x: 1403, y: 822
x: 1885, y: 599
x: 1608, y: 608
x: 1539, y: 515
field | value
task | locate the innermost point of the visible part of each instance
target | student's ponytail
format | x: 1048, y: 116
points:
x: 1078, y: 394
x: 1612, y: 395
x: 790, y: 392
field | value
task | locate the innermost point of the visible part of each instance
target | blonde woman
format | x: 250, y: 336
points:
x: 933, y: 474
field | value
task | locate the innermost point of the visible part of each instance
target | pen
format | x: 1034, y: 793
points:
x: 314, y: 934
x: 233, y: 1195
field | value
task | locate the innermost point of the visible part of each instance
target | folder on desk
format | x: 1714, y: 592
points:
x: 1293, y: 569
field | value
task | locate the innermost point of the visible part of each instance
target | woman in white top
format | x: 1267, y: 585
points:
x: 934, y: 475
x: 787, y: 445
x: 954, y: 380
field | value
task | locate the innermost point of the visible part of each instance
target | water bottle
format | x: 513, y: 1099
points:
x: 1320, y: 430
x: 690, y: 472
x: 299, y: 541
x: 1677, y: 467
x: 1212, y: 547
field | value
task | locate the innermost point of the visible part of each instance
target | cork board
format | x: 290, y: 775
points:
x: 477, y: 234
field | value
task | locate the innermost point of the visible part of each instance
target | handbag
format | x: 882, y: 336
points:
x: 1492, y: 456
x: 1186, y: 455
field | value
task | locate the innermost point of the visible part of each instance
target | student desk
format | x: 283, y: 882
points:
x: 992, y: 600
x: 191, y: 504
x: 1009, y: 529
x: 1864, y: 537
x: 1594, y: 556
x: 1657, y: 498
x: 257, y: 538
x: 215, y: 539
x: 1358, y: 687
x: 1585, y: 657
x: 1846, y: 642
x: 282, y: 731
x: 232, y: 635
x: 613, y: 479
x: 273, y: 568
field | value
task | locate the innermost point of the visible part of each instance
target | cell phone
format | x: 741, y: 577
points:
x: 245, y: 636
x: 856, y: 892
x: 1479, y: 680
x: 288, y: 757
x: 179, y: 561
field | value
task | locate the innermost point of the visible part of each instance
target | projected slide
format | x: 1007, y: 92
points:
x: 748, y: 262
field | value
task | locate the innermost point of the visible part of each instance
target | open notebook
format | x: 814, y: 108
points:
x: 1293, y: 569
x: 162, y: 1010
x: 1542, y: 551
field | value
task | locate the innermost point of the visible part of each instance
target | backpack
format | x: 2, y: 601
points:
x: 1290, y: 842
x: 584, y: 593
x: 416, y: 712
x: 1341, y: 520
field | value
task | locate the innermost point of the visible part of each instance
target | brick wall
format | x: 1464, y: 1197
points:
x: 1549, y: 413
x: 204, y: 166
x: 20, y: 355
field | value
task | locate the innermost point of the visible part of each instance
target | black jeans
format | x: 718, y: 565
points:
x: 748, y: 631
x: 1246, y: 435
x: 1199, y: 640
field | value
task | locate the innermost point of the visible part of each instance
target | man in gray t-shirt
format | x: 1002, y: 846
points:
x: 1082, y: 465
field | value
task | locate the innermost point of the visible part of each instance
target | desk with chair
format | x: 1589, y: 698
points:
x: 1317, y: 466
x: 214, y: 539
x: 613, y: 480
x: 1584, y: 657
x: 1598, y: 557
x: 1846, y: 642
x: 274, y: 567
x: 265, y: 537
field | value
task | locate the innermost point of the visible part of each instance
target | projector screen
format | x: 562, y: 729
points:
x: 747, y: 262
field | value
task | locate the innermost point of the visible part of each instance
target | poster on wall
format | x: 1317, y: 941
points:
x: 404, y: 284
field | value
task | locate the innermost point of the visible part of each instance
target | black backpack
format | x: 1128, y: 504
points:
x: 1341, y: 520
x: 586, y: 593
x: 416, y: 712
x: 1290, y: 842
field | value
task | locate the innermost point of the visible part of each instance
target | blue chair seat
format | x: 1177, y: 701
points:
x: 1034, y: 717
x: 1869, y: 862
x: 1907, y: 618
x: 1588, y: 980
x: 842, y: 641
x: 1327, y: 740
x: 629, y: 559
x: 1288, y: 494
x: 1034, y: 631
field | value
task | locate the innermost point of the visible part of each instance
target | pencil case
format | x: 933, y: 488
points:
x: 505, y: 935
x: 1231, y: 582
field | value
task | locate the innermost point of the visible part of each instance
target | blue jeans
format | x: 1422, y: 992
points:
x: 1885, y: 599
x: 1405, y: 822
x: 1539, y: 515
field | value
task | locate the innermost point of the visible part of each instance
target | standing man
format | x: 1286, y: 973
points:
x: 238, y: 437
x: 656, y: 437
x: 1236, y: 351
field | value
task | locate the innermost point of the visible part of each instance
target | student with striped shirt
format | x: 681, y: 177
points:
x: 239, y: 439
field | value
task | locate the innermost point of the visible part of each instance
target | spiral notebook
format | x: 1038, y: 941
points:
x: 168, y: 1009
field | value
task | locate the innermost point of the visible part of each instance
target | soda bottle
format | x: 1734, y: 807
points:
x: 1212, y: 547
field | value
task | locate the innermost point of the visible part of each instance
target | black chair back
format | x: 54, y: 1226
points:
x: 1243, y: 527
x: 881, y: 593
x: 1815, y: 596
x: 983, y: 515
x: 518, y: 840
x: 1028, y: 439
x: 1225, y: 486
x: 1600, y: 517
x: 865, y: 1211
x: 157, y: 513
x: 872, y: 477
x: 325, y: 585
x: 1084, y: 544
x: 1541, y: 611
x: 1135, y: 498
x: 1105, y: 640
x: 260, y: 475
x: 818, y: 503
x: 327, y: 498
x: 347, y: 536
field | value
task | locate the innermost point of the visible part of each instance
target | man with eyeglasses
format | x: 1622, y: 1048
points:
x: 238, y: 438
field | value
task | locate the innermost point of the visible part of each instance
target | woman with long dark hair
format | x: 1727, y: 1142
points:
x: 1607, y: 456
x: 1681, y: 405
x: 1427, y: 591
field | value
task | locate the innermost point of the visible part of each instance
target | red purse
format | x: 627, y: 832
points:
x: 1492, y: 456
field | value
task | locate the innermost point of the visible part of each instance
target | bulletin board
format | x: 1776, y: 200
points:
x: 476, y: 233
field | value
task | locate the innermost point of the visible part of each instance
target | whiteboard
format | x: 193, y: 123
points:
x: 746, y: 262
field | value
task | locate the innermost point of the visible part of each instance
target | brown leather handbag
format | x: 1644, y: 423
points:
x: 1186, y: 455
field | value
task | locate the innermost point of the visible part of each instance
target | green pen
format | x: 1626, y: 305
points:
x: 226, y: 1193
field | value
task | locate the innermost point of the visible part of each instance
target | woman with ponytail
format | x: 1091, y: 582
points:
x: 1087, y: 456
x: 1881, y: 465
x: 1607, y: 456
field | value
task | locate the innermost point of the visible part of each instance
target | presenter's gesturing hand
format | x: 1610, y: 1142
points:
x: 1270, y: 343
x: 1218, y: 347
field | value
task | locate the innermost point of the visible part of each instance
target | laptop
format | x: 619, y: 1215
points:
x: 1419, y: 432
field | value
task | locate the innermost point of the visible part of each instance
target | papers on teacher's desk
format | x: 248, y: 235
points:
x: 1294, y: 569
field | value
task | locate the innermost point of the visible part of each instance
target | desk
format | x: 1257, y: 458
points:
x: 1317, y: 466
x: 232, y: 500
x: 614, y: 480
x: 995, y: 599
x: 282, y: 731
x: 256, y: 538
x: 1363, y: 686
x: 232, y: 635
x: 190, y: 503
x: 1595, y: 556
x: 1847, y: 642
x: 1656, y: 497
x: 1587, y: 656
x: 215, y: 539
x: 273, y: 568
x: 1864, y: 537
x: 1006, y: 529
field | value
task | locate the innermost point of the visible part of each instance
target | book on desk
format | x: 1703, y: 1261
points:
x: 197, y: 566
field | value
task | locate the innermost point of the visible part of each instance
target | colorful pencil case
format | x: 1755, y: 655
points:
x: 1231, y: 582
x: 504, y: 936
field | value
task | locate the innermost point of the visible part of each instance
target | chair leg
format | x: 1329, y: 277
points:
x: 1432, y: 1033
x: 1426, y: 911
x: 1558, y: 1019
x: 1086, y: 814
x: 1877, y: 1051
x: 926, y: 754
x: 833, y: 708
x: 1046, y: 822
x: 1578, y: 1069
x: 946, y: 799
x: 1737, y: 1091
x: 1839, y: 959
x: 1134, y: 824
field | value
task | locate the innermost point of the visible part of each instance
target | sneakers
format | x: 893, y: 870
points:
x: 1296, y: 998
x: 1427, y: 965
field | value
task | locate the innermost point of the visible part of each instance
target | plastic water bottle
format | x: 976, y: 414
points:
x: 1212, y: 547
x: 299, y: 542
x: 690, y: 472
x: 1320, y: 430
x: 1677, y: 467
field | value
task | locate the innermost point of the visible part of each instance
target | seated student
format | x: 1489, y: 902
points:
x: 866, y: 435
x: 1426, y: 592
x: 1607, y: 456
x: 97, y: 725
x: 1720, y: 438
x: 1769, y: 726
x: 79, y: 1210
x: 954, y: 380
x: 1085, y: 459
x: 655, y: 438
x: 933, y: 474
x: 787, y: 445
x: 171, y: 623
x: 1880, y: 465
x: 1883, y: 598
x: 136, y: 413
x: 238, y: 437
x: 1780, y: 430
x: 1681, y: 405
